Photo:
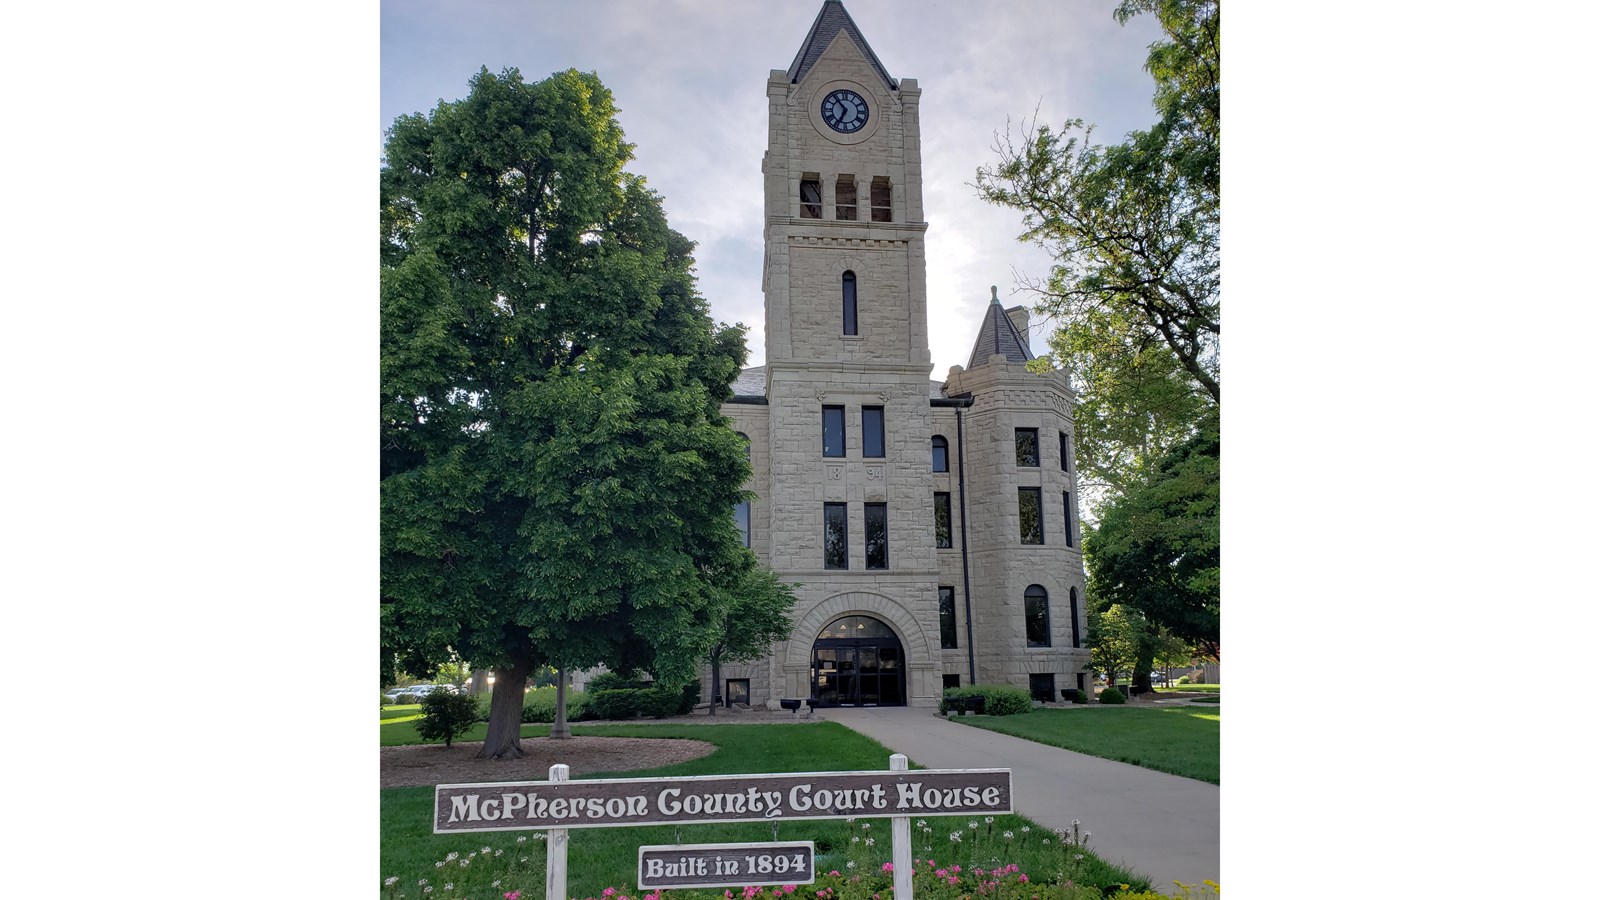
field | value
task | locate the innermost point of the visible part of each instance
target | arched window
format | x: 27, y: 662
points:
x: 848, y: 286
x: 941, y: 454
x: 746, y: 438
x: 1036, y: 612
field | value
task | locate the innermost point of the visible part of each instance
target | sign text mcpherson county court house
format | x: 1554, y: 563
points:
x: 503, y: 806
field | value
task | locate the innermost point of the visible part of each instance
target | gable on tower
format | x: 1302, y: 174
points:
x: 832, y: 20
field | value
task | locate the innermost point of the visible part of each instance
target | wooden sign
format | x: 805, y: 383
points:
x: 604, y: 803
x: 723, y: 865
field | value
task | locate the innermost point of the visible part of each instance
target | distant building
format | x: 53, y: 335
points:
x: 931, y: 527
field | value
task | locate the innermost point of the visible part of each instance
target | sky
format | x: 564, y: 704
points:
x: 982, y: 67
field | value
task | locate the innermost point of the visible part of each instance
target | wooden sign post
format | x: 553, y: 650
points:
x: 561, y: 804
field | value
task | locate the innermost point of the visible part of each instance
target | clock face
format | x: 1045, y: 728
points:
x: 844, y: 111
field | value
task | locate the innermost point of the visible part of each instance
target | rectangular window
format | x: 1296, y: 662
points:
x: 1077, y: 638
x: 882, y: 208
x: 810, y: 197
x: 1064, y: 455
x: 738, y: 693
x: 741, y: 517
x: 1036, y: 613
x: 941, y: 454
x: 951, y: 681
x: 835, y: 536
x: 833, y: 431
x: 877, y: 521
x: 1028, y: 513
x: 844, y: 198
x: 947, y: 617
x: 1066, y: 515
x: 1028, y: 447
x: 941, y: 520
x: 1042, y: 687
x: 872, y: 432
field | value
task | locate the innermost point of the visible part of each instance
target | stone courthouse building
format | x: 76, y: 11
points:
x: 930, y: 527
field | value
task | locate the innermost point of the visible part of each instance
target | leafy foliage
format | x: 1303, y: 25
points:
x: 754, y: 615
x: 556, y: 476
x: 446, y: 716
x: 1112, y: 695
x: 997, y: 699
x: 1157, y: 550
x: 1134, y: 229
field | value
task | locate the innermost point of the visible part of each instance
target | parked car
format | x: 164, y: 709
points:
x: 415, y: 693
x: 392, y: 693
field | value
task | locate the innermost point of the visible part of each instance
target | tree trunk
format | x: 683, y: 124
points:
x: 505, y: 713
x: 1141, y: 668
x: 558, y: 728
x: 716, y: 681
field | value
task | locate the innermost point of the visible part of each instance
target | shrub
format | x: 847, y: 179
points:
x: 1182, y: 679
x: 1079, y: 697
x: 540, y: 706
x: 618, y: 703
x: 447, y: 716
x: 612, y: 681
x: 1112, y: 695
x: 998, y: 699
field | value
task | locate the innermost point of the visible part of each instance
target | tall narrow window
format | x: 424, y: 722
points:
x: 877, y: 522
x: 947, y: 618
x: 882, y: 200
x: 746, y: 438
x: 1064, y: 455
x: 1036, y: 611
x: 872, y: 432
x: 835, y: 536
x: 1066, y: 515
x: 741, y: 517
x: 1028, y: 447
x: 847, y: 285
x: 810, y: 197
x: 1072, y: 595
x: 941, y: 520
x: 1028, y: 514
x: 833, y: 431
x: 941, y: 454
x: 844, y: 198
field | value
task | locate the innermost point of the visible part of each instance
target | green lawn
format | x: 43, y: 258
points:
x: 1187, y: 688
x: 1180, y: 740
x: 607, y: 857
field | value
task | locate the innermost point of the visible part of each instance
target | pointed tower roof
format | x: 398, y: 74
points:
x: 831, y: 20
x: 998, y: 336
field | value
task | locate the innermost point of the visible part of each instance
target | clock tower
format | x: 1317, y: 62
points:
x: 847, y: 387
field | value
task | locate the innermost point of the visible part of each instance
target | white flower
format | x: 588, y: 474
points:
x: 973, y: 824
x: 850, y: 865
x: 439, y: 864
x: 497, y: 853
x: 428, y: 889
x: 922, y: 823
x: 855, y: 838
x: 1007, y: 835
x: 421, y: 882
x: 484, y: 850
x: 1076, y: 823
x: 870, y: 842
x: 452, y: 856
x: 955, y: 837
x: 988, y: 820
x: 1026, y: 829
x: 1077, y: 856
x: 849, y: 820
x: 522, y: 838
x: 866, y: 826
x: 1046, y: 841
x: 449, y: 887
x: 494, y: 883
x: 390, y: 880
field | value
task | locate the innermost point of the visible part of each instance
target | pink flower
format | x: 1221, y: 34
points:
x: 1023, y: 878
x: 954, y: 880
x: 787, y: 889
x: 888, y: 867
x: 942, y: 873
x: 956, y: 869
x: 513, y: 895
x: 608, y: 892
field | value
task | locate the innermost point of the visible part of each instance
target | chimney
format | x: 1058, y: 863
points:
x: 1019, y: 317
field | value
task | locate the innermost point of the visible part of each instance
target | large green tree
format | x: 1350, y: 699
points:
x: 557, y: 482
x: 1134, y: 231
x: 1157, y: 549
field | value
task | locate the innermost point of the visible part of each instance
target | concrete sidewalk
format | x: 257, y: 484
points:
x: 1159, y: 825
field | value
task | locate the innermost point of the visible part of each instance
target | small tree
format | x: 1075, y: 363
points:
x: 447, y: 715
x: 755, y: 615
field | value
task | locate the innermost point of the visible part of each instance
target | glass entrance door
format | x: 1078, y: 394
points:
x: 859, y: 667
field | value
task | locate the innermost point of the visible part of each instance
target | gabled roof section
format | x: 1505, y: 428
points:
x: 998, y: 336
x: 831, y: 20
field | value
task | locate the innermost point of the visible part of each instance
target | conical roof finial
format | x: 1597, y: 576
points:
x: 994, y: 295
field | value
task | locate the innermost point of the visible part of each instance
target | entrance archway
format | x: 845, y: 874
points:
x: 858, y: 661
